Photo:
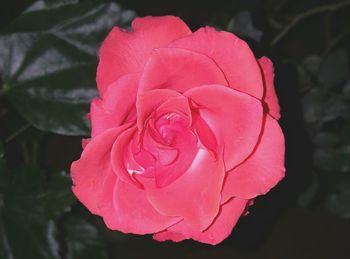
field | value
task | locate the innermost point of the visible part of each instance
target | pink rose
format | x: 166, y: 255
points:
x: 184, y: 134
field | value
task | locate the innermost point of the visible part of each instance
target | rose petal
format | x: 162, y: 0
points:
x: 148, y: 102
x: 263, y: 169
x: 105, y: 206
x: 91, y: 171
x: 114, y: 109
x: 270, y: 97
x: 169, y: 235
x: 205, y: 134
x: 122, y: 160
x: 176, y: 105
x: 170, y: 132
x: 231, y: 54
x: 125, y: 52
x: 221, y: 228
x: 187, y: 151
x: 84, y: 142
x: 234, y: 117
x: 180, y: 70
x: 134, y: 212
x: 195, y: 195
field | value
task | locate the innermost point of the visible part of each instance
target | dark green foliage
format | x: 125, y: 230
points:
x: 48, y: 59
x: 327, y: 114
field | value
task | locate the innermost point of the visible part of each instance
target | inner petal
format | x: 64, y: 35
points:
x: 171, y: 141
x: 167, y: 156
x: 205, y: 134
x: 166, y: 143
x: 170, y: 126
x: 181, y: 70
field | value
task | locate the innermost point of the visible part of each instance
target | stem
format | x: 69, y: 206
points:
x: 17, y: 132
x: 338, y: 38
x: 306, y: 14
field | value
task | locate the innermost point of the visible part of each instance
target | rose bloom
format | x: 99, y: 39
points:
x: 184, y: 134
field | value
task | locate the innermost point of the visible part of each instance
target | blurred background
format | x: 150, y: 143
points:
x: 48, y: 58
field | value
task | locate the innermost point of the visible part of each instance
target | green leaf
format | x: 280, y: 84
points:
x: 242, y: 25
x: 312, y: 64
x: 334, y: 69
x: 5, y: 251
x: 30, y: 238
x: 59, y: 195
x: 335, y: 107
x: 48, y: 59
x: 346, y: 89
x: 319, y: 105
x: 333, y: 160
x: 313, y: 105
x: 4, y: 174
x: 325, y: 139
x: 33, y: 194
x: 46, y: 4
x: 83, y: 241
x: 344, y: 135
x: 29, y: 206
x: 338, y: 201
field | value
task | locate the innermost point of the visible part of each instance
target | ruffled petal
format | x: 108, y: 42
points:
x: 232, y: 55
x: 169, y: 235
x: 114, y: 109
x: 221, y: 228
x: 263, y: 169
x: 270, y: 97
x: 134, y: 212
x: 92, y: 172
x: 125, y: 52
x: 180, y: 70
x: 195, y: 196
x: 234, y: 117
x: 149, y: 101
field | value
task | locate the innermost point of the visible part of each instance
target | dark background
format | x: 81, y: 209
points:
x: 42, y: 122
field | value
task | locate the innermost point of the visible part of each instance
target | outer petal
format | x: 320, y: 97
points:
x: 234, y: 117
x: 91, y: 171
x: 195, y: 196
x: 134, y: 212
x: 125, y: 52
x: 263, y: 170
x: 169, y: 235
x: 221, y: 228
x: 231, y: 54
x: 180, y: 70
x: 114, y: 109
x: 270, y: 96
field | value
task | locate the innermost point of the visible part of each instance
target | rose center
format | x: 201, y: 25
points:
x: 165, y: 148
